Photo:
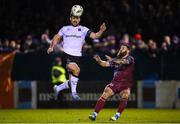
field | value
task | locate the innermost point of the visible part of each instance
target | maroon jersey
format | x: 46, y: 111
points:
x: 123, y: 73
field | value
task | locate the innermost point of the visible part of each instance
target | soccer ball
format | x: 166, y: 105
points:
x: 76, y: 10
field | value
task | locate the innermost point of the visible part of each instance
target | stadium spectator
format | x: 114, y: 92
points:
x: 109, y: 45
x: 139, y: 43
x: 176, y: 44
x: 87, y: 49
x: 45, y: 37
x: 100, y: 45
x: 126, y: 39
x: 6, y: 46
x: 18, y: 47
x: 29, y: 45
x: 58, y: 76
x: 45, y: 40
x: 166, y: 44
x: 12, y: 45
x: 152, y: 49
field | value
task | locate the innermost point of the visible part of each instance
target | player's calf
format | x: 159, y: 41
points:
x: 123, y: 103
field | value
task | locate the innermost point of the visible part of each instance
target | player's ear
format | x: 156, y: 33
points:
x: 70, y: 18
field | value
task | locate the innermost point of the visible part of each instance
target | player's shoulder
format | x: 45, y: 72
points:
x: 130, y: 57
x: 83, y: 27
x: 66, y: 26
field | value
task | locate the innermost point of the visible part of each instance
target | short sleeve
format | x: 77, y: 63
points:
x: 60, y: 32
x: 111, y: 63
x: 129, y: 60
x: 87, y: 32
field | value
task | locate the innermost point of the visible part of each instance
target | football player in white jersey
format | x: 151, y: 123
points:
x: 73, y: 37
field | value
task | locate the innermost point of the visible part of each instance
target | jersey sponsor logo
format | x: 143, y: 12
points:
x: 79, y: 29
x: 76, y: 36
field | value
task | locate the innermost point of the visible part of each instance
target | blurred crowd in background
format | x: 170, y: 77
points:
x: 151, y: 27
x: 107, y: 45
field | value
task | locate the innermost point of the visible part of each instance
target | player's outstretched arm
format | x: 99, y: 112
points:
x: 108, y: 58
x: 99, y: 33
x: 101, y: 62
x: 122, y: 61
x: 54, y: 41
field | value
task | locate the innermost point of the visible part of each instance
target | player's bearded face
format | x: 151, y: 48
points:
x: 122, y: 52
x: 74, y: 20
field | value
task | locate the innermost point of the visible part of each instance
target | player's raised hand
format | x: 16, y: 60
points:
x: 97, y: 58
x: 108, y: 58
x: 50, y: 49
x: 103, y: 27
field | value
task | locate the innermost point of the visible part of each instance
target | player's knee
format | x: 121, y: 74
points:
x: 70, y: 67
x: 73, y: 68
x: 124, y: 97
x: 77, y: 71
x: 106, y: 94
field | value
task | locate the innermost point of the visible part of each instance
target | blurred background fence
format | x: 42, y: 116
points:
x: 31, y: 80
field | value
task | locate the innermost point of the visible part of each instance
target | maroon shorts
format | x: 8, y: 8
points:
x: 117, y: 88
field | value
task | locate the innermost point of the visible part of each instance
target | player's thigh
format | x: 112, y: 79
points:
x: 124, y: 94
x: 107, y: 92
x: 73, y: 67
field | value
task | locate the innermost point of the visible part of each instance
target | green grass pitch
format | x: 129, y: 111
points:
x: 81, y: 116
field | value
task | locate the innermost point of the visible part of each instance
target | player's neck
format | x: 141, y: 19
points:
x: 74, y: 25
